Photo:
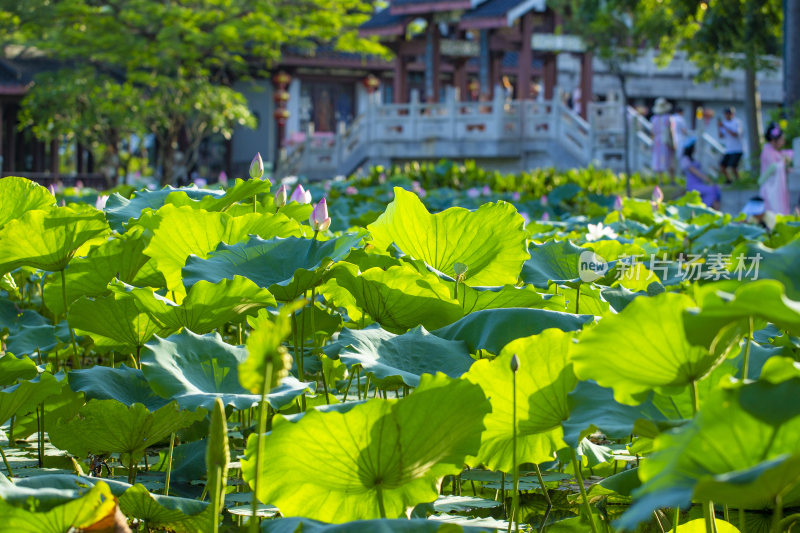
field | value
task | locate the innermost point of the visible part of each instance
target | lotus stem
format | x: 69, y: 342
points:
x: 515, y: 466
x: 777, y: 515
x: 576, y: 465
x: 380, y: 502
x: 169, y: 463
x: 131, y: 471
x: 695, y: 398
x: 261, y: 430
x: 75, y: 363
x: 710, y: 517
x: 255, y: 206
x: 578, y: 299
x: 215, y: 503
x: 742, y: 522
x: 746, y: 363
x: 139, y: 357
x: 677, y: 520
x: 298, y: 354
x: 349, y: 381
x: 725, y: 512
x: 5, y: 462
x: 544, y: 487
x: 40, y: 436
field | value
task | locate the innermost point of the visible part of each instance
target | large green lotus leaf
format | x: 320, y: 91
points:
x: 26, y: 395
x: 553, y: 262
x: 479, y: 298
x: 179, y: 232
x: 115, y: 322
x: 544, y: 379
x: 98, y: 506
x: 681, y: 405
x: 383, y: 525
x: 338, y: 467
x: 593, y: 408
x: 119, y: 210
x: 723, y: 304
x: 206, y: 307
x: 591, y: 301
x: 778, y: 264
x: 288, y: 267
x: 120, y: 257
x: 398, y: 298
x: 723, y: 239
x: 20, y: 195
x: 109, y: 426
x: 698, y: 525
x: 188, y: 461
x: 240, y: 190
x: 180, y: 515
x: 14, y: 368
x: 195, y: 370
x: 490, y: 241
x: 44, y: 491
x: 740, y: 450
x: 62, y: 404
x: 124, y: 384
x: 492, y: 329
x: 48, y: 239
x: 30, y: 339
x: 400, y: 359
x: 653, y: 354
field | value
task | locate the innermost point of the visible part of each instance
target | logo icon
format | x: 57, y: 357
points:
x: 591, y: 266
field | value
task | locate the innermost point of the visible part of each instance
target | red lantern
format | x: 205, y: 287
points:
x: 371, y: 83
x: 474, y: 88
x: 281, y: 79
x: 281, y: 116
x: 281, y: 96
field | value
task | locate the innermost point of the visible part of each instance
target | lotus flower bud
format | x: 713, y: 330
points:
x: 52, y: 189
x: 514, y: 363
x: 300, y: 195
x: 319, y: 219
x: 257, y: 167
x: 280, y: 196
x: 545, y: 216
x: 223, y: 179
x: 486, y: 191
x: 618, y: 203
x: 100, y: 203
x: 658, y: 195
x: 543, y: 200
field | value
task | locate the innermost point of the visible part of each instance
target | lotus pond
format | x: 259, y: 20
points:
x: 460, y: 358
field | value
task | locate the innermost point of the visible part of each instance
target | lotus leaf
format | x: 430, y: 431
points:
x: 21, y: 195
x: 26, y: 395
x: 383, y: 525
x: 126, y: 385
x: 180, y: 515
x: 379, y: 458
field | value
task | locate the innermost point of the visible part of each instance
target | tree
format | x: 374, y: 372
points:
x: 791, y: 60
x: 172, y: 61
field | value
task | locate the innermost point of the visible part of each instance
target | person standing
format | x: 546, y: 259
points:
x: 696, y: 179
x: 679, y: 130
x: 663, y: 144
x: 774, y: 188
x: 730, y: 133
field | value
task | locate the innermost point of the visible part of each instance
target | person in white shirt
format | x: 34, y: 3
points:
x: 680, y: 132
x: 730, y: 133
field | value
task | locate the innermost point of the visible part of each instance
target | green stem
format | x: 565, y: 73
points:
x: 139, y: 357
x: 676, y: 520
x: 5, y: 462
x: 541, y: 483
x: 515, y: 472
x: 742, y: 522
x: 131, y: 472
x: 298, y: 356
x: 695, y: 397
x: 710, y: 517
x: 777, y: 515
x: 40, y: 437
x: 746, y: 364
x: 262, y: 429
x: 725, y: 512
x: 75, y: 363
x: 255, y: 205
x: 169, y: 463
x: 576, y: 465
x: 578, y: 299
x: 349, y: 382
x: 239, y: 333
x: 216, y: 502
x: 380, y: 502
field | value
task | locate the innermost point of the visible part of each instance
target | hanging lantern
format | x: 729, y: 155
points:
x: 281, y: 96
x: 281, y: 116
x: 371, y: 83
x: 281, y: 79
x: 474, y: 88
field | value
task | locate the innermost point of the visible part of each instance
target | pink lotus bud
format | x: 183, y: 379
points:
x: 200, y: 182
x: 79, y: 184
x: 618, y: 203
x: 280, y: 195
x: 543, y: 200
x: 382, y: 178
x: 473, y: 192
x: 257, y: 167
x: 350, y: 190
x: 658, y: 195
x: 515, y: 196
x: 100, y: 203
x: 486, y: 191
x: 52, y: 189
x: 300, y: 195
x: 223, y: 178
x: 319, y: 219
x: 545, y: 216
x: 526, y: 217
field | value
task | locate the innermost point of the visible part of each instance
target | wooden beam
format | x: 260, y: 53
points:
x: 424, y: 8
x: 525, y: 59
x: 586, y: 82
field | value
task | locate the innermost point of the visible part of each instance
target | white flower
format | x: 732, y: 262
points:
x: 599, y: 231
x: 100, y: 203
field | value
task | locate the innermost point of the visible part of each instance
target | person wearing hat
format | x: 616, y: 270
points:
x: 663, y: 146
x: 696, y: 179
x: 730, y: 133
x: 754, y: 211
x: 774, y: 188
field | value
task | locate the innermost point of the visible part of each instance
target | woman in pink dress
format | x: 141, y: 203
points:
x: 774, y: 189
x: 663, y: 146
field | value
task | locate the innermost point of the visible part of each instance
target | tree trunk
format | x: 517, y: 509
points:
x: 792, y: 53
x: 752, y: 110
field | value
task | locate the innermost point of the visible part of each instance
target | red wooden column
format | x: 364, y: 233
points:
x: 524, y: 63
x: 550, y: 75
x: 586, y: 82
x: 400, y: 84
x: 497, y: 71
x: 433, y: 60
x: 460, y: 79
